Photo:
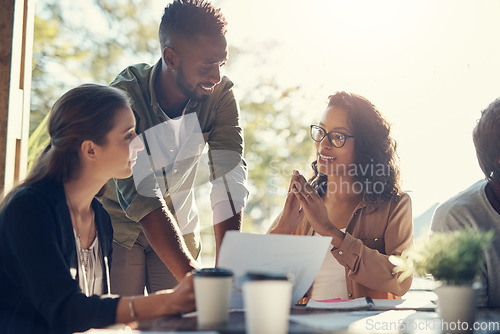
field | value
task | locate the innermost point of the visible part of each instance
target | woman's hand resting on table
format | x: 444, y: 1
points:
x: 181, y: 299
x: 166, y: 302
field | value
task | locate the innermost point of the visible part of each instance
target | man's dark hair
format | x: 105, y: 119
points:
x: 189, y: 19
x: 486, y: 137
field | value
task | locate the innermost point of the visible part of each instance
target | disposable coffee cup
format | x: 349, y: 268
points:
x: 212, y: 288
x: 267, y: 298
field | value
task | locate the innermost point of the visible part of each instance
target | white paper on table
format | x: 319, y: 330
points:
x: 353, y: 304
x: 331, y: 321
x: 404, y: 304
x: 388, y: 322
x: 298, y: 255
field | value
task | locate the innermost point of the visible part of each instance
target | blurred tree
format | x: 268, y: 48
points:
x: 276, y: 143
x: 70, y: 49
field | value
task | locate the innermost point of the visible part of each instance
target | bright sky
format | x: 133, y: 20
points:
x: 430, y: 66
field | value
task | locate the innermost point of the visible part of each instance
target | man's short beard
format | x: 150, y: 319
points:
x: 183, y: 85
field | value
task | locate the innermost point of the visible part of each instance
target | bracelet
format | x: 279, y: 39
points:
x: 133, y: 315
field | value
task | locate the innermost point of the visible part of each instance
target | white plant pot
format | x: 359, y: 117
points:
x: 457, y: 307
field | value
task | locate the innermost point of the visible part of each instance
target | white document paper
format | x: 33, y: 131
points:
x: 404, y: 304
x: 332, y: 321
x: 298, y: 255
x: 353, y: 304
x: 388, y: 322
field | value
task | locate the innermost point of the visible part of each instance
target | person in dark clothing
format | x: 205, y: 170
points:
x: 56, y: 238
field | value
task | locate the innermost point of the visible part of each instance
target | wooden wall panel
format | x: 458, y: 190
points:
x: 16, y: 47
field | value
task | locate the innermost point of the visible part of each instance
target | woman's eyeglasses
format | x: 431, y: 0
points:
x: 336, y: 139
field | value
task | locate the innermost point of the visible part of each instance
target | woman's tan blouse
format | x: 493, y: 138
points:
x: 370, y: 238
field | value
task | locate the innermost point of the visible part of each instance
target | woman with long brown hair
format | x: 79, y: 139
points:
x: 353, y: 197
x: 55, y: 237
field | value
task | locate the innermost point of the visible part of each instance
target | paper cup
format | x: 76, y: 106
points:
x: 212, y: 288
x: 267, y: 299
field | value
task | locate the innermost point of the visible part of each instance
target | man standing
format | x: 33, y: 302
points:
x: 478, y: 207
x: 181, y: 103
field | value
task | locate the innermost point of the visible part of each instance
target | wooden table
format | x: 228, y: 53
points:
x: 236, y: 325
x: 488, y: 318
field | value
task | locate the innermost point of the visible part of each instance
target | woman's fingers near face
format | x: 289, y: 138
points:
x: 305, y: 193
x: 292, y: 183
x: 298, y: 180
x: 310, y: 192
x: 291, y: 201
x: 302, y: 188
x: 296, y: 184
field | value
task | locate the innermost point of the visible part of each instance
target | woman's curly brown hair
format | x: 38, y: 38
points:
x: 374, y: 150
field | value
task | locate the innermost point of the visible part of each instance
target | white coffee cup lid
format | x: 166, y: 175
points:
x: 265, y: 276
x: 213, y: 272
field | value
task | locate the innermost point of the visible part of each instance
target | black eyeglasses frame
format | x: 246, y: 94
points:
x: 327, y: 134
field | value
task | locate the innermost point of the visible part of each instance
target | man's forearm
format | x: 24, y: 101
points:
x: 166, y: 239
x: 220, y: 228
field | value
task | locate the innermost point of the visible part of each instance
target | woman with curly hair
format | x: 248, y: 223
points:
x: 353, y: 197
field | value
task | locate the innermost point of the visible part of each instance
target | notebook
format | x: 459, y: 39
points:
x: 367, y: 303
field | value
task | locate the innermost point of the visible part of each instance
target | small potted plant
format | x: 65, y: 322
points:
x: 454, y: 259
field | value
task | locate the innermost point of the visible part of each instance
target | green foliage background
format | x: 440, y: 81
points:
x: 72, y: 46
